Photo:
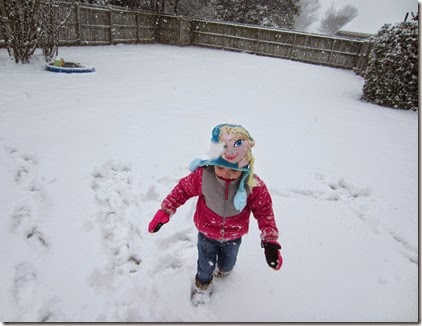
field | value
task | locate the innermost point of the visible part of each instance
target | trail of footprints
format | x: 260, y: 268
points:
x: 358, y: 200
x: 120, y: 208
x: 117, y: 203
x: 25, y: 218
x: 26, y: 221
x: 112, y: 185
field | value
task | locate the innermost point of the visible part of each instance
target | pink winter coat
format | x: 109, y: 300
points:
x: 215, y: 215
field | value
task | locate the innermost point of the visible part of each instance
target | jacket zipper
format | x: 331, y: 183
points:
x: 226, y: 197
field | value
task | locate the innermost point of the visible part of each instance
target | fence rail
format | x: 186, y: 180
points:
x: 97, y: 25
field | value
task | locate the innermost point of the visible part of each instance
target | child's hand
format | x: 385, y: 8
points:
x: 158, y: 220
x: 272, y: 254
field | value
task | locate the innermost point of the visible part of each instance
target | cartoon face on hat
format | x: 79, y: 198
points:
x: 231, y: 148
x: 237, y: 144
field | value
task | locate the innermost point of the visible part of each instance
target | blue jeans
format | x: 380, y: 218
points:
x: 212, y: 252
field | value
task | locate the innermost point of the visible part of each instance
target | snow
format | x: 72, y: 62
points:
x: 85, y: 160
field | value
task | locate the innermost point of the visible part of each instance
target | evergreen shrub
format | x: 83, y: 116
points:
x: 391, y: 79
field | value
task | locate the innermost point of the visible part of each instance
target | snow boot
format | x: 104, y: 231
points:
x: 201, y: 292
x: 220, y: 274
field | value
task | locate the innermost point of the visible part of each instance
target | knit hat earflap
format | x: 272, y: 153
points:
x: 231, y: 148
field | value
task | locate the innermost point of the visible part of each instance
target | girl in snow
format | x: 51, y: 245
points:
x: 228, y: 192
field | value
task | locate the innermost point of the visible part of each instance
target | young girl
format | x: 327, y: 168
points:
x: 227, y: 192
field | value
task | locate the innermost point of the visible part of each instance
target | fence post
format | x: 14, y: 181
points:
x: 224, y: 36
x: 157, y: 29
x: 185, y: 31
x: 137, y: 27
x: 110, y: 11
x: 293, y: 48
x: 363, y: 58
x: 78, y: 24
x: 331, y: 52
x: 257, y: 41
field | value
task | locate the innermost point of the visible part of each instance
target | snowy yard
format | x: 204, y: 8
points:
x: 85, y: 160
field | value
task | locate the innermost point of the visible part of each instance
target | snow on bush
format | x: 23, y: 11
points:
x: 391, y: 79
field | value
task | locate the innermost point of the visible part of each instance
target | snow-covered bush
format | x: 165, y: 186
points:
x: 391, y: 78
x: 19, y: 22
x: 28, y: 25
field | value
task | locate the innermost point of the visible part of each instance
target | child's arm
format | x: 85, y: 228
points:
x: 187, y: 187
x: 261, y: 206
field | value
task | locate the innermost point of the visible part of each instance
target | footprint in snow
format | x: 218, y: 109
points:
x: 22, y: 223
x: 112, y: 186
x: 174, y: 249
x: 25, y: 218
x: 51, y: 312
x: 24, y: 164
x: 25, y: 284
x: 407, y: 250
x: 338, y: 190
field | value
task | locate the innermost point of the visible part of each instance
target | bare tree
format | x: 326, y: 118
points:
x: 19, y: 24
x: 27, y: 25
x: 49, y: 33
x: 334, y: 19
x: 309, y: 13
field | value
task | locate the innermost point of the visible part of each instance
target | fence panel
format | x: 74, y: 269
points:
x: 275, y: 43
x: 168, y: 30
x: 124, y: 26
x: 70, y: 34
x: 207, y: 34
x: 95, y: 26
x: 146, y: 27
x: 174, y: 30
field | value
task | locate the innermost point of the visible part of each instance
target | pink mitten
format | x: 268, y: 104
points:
x: 158, y: 220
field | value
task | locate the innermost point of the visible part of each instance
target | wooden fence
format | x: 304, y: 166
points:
x: 312, y: 48
x: 96, y: 25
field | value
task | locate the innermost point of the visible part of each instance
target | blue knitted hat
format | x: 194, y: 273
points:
x: 233, y: 145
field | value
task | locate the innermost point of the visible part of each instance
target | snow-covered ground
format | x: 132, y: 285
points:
x: 85, y: 160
